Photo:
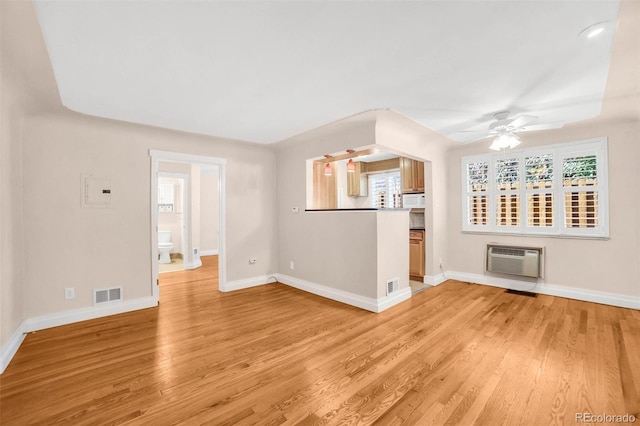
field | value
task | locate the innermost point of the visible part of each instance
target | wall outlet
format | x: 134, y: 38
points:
x: 294, y: 210
x: 69, y: 293
x: 253, y: 261
x: 292, y: 266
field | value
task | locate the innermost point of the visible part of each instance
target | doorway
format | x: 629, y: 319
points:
x: 172, y: 219
x: 202, y: 172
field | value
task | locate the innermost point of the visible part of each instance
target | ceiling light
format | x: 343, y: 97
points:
x: 327, y: 170
x: 351, y: 166
x: 594, y: 30
x: 504, y: 141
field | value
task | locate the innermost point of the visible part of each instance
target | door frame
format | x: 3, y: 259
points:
x: 179, y: 157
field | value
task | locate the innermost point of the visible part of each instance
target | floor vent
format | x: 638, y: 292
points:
x: 393, y: 286
x: 106, y: 295
x: 522, y: 293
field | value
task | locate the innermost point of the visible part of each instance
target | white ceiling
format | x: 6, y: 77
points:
x: 263, y: 71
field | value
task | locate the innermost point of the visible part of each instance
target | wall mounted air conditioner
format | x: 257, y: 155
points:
x: 515, y: 260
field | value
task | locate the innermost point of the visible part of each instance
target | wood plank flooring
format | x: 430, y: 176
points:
x: 455, y: 354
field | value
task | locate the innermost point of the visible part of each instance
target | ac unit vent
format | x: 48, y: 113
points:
x: 106, y: 295
x: 393, y: 285
x: 523, y: 261
x: 509, y: 251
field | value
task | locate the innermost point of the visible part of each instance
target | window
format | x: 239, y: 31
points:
x: 385, y: 190
x: 555, y: 190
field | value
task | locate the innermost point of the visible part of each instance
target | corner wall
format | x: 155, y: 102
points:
x: 13, y: 108
x: 112, y: 247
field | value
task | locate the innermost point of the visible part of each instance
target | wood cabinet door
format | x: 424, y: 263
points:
x: 416, y: 257
x: 411, y: 175
x: 418, y: 176
x: 353, y: 182
x: 406, y: 174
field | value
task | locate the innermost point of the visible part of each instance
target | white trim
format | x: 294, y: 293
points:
x: 248, y: 282
x: 613, y: 299
x: 193, y: 265
x: 434, y: 280
x: 11, y: 347
x: 170, y: 156
x: 68, y: 317
x: 209, y: 252
x: 362, y: 302
x: 91, y: 312
x: 595, y: 146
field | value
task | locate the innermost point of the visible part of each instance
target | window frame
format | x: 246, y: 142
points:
x: 386, y: 175
x: 559, y: 152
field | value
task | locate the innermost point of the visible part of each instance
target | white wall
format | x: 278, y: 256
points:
x: 113, y: 246
x: 209, y: 206
x: 593, y: 269
x: 410, y: 139
x: 13, y: 108
x: 594, y: 265
x: 315, y: 241
x: 27, y: 87
x: 341, y: 250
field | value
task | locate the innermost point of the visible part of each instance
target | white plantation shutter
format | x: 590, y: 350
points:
x: 476, y: 193
x: 385, y: 190
x: 554, y: 190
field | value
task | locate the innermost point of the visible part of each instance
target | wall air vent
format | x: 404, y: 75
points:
x: 107, y: 295
x: 393, y: 285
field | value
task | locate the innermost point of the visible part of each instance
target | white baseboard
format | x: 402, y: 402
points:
x: 193, y: 265
x: 67, y: 317
x: 11, y: 347
x: 362, y: 302
x: 247, y: 283
x: 209, y: 252
x: 434, y: 280
x: 92, y: 312
x: 606, y: 298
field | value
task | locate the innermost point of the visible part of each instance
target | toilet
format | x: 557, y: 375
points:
x: 164, y: 246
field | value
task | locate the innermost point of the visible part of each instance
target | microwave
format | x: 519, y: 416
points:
x: 413, y: 201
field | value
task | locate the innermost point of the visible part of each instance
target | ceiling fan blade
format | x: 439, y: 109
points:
x: 523, y: 120
x: 477, y: 139
x: 541, y: 126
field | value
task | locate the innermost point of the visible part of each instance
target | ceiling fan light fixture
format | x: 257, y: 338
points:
x: 504, y: 141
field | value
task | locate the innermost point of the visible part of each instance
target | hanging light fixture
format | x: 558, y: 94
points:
x: 327, y: 167
x: 351, y: 166
x: 504, y: 141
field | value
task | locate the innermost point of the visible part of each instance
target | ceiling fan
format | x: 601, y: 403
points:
x: 504, y: 129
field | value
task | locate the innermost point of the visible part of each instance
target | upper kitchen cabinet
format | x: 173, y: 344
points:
x: 357, y: 181
x: 412, y: 175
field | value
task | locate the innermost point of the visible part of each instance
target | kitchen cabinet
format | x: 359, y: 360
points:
x: 416, y: 254
x: 357, y: 181
x: 412, y: 175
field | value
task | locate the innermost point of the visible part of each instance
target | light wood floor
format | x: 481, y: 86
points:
x: 454, y: 354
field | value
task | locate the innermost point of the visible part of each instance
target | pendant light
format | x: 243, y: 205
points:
x: 351, y: 166
x: 327, y: 168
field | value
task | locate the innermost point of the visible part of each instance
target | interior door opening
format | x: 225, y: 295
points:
x: 187, y: 215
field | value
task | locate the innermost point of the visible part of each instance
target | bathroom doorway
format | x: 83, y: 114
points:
x: 173, y: 227
x: 200, y: 183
